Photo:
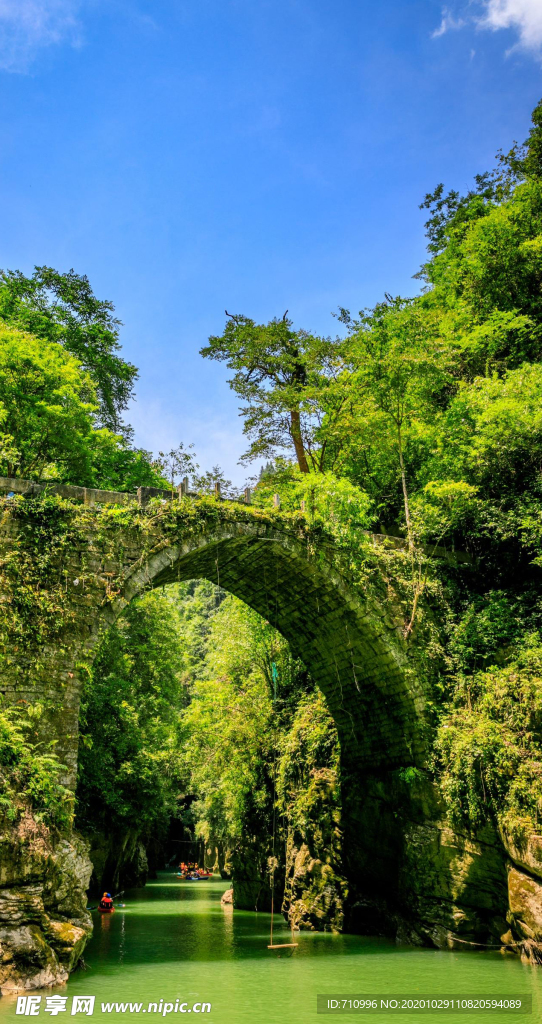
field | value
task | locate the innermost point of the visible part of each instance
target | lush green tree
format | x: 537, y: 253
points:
x: 62, y: 308
x: 492, y: 264
x: 117, y: 466
x: 330, y: 501
x: 283, y: 376
x: 47, y: 404
x: 226, y: 738
x: 452, y: 212
x: 489, y: 746
x: 491, y: 435
x: 197, y: 603
x: 228, y: 727
x: 175, y: 464
x: 401, y: 372
x: 443, y: 389
x: 130, y: 768
x: 47, y: 422
x: 30, y: 774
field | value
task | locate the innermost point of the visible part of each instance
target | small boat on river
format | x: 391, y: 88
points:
x: 192, y: 873
x: 105, y: 906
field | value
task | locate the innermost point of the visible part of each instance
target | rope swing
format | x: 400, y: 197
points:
x: 275, y: 945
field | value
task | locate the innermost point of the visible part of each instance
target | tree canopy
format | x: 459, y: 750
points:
x: 285, y: 376
x: 62, y: 308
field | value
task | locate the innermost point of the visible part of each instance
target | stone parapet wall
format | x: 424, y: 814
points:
x: 96, y: 496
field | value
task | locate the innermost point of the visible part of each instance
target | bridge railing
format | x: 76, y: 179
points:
x: 96, y: 496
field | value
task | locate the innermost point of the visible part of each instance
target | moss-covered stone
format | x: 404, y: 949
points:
x: 44, y: 924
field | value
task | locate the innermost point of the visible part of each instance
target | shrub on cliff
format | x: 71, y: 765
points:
x: 489, y: 746
x: 30, y: 775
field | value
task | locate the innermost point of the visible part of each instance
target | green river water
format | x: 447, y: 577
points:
x: 175, y: 941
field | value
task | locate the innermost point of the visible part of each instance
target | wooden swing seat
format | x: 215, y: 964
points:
x: 283, y: 945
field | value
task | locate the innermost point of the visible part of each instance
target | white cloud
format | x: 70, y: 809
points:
x: 447, y: 24
x: 28, y: 25
x: 523, y: 15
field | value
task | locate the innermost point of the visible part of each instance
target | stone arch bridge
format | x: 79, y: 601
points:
x: 349, y: 636
x: 97, y: 551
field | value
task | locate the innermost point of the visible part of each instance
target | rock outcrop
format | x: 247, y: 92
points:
x: 415, y: 878
x: 525, y: 896
x: 44, y: 924
x: 251, y: 866
x: 315, y: 892
x: 118, y: 861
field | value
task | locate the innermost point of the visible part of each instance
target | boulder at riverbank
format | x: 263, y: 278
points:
x: 44, y: 924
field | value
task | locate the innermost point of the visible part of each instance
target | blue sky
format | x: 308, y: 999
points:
x: 255, y: 155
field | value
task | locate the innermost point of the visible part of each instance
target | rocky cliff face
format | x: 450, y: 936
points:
x: 43, y: 921
x: 524, y: 879
x: 316, y: 890
x: 119, y: 861
x: 250, y: 866
x: 418, y: 880
x: 399, y: 870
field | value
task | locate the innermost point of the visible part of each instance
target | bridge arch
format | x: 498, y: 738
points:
x: 350, y: 638
x: 351, y: 642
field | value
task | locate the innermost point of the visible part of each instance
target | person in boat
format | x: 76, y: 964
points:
x: 106, y: 902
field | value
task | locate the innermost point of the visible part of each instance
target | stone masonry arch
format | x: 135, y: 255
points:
x: 351, y: 639
x: 351, y: 643
x: 407, y: 870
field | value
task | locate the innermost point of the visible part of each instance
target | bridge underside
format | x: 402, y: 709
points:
x: 350, y: 644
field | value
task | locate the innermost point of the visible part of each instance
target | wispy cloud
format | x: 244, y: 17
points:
x: 523, y: 15
x: 448, y: 23
x: 26, y: 26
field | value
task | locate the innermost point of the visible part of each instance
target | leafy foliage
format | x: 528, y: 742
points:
x: 46, y: 407
x: 490, y: 746
x: 129, y: 765
x: 229, y: 728
x: 62, y: 308
x: 283, y: 375
x: 47, y: 427
x: 30, y: 774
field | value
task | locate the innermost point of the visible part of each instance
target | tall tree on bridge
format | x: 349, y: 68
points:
x: 287, y: 378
